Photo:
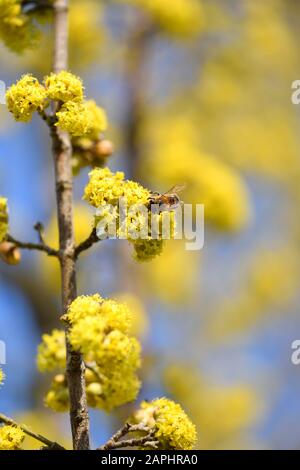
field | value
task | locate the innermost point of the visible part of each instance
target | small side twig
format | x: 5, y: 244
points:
x: 39, y: 228
x: 116, y: 442
x: 50, y: 444
x: 33, y: 246
x: 86, y: 244
x: 94, y: 370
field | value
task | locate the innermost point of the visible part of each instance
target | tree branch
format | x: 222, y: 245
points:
x: 116, y: 442
x: 62, y: 152
x: 10, y: 422
x: 88, y: 243
x: 33, y: 246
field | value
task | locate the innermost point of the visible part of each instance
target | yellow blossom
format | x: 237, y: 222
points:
x: 115, y: 389
x: 64, y: 86
x: 116, y: 314
x: 146, y: 250
x: 173, y: 428
x: 52, y: 351
x: 119, y: 351
x: 74, y: 118
x: 98, y: 119
x: 58, y: 396
x: 105, y: 187
x: 100, y: 332
x: 104, y: 191
x: 11, y: 437
x: 17, y: 30
x: 25, y: 97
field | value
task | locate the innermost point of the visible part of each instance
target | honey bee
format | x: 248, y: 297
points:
x: 167, y: 201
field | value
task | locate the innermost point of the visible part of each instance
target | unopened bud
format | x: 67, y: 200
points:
x: 104, y: 148
x: 10, y: 253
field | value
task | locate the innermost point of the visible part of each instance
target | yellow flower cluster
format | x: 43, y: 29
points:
x: 17, y: 30
x: 52, y: 351
x: 104, y: 191
x: 3, y: 218
x: 179, y: 17
x: 106, y: 187
x: 11, y: 437
x: 173, y: 428
x: 25, y: 97
x: 57, y: 397
x: 75, y: 115
x: 100, y: 331
x: 64, y: 86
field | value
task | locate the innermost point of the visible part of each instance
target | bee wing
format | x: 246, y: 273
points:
x: 176, y: 189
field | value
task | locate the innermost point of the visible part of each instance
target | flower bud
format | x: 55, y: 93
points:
x: 103, y: 148
x: 9, y: 253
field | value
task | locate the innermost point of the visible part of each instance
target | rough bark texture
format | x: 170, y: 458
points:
x: 62, y: 151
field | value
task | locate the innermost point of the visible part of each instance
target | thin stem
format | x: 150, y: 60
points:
x: 62, y: 152
x: 94, y: 370
x: 116, y: 442
x: 86, y: 244
x: 10, y: 422
x: 33, y: 246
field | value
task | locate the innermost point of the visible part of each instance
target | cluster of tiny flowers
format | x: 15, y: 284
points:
x: 64, y: 86
x: 105, y: 191
x: 74, y: 115
x: 57, y: 397
x: 11, y: 437
x: 173, y: 428
x: 52, y: 352
x: 3, y: 218
x: 25, y: 97
x: 99, y: 329
x: 17, y: 30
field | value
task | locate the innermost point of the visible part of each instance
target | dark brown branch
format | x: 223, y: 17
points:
x: 33, y: 246
x: 86, y: 244
x: 62, y: 152
x: 116, y: 442
x: 10, y: 422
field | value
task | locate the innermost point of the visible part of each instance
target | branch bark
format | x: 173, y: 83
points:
x: 33, y: 246
x: 62, y: 152
x: 88, y: 243
x: 117, y: 441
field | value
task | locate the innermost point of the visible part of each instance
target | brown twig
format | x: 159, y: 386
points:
x: 86, y: 244
x: 10, y: 422
x: 62, y: 152
x: 33, y: 246
x: 116, y: 442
